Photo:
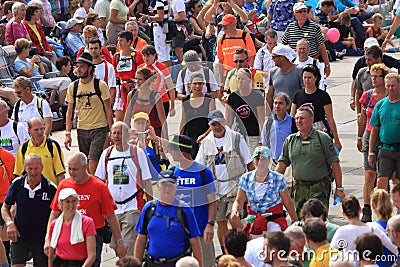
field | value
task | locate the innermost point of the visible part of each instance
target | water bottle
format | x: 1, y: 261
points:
x: 337, y: 201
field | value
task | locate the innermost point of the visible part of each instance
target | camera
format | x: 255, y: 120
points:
x: 142, y: 135
x: 32, y: 51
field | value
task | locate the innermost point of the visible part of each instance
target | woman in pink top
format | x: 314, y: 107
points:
x: 368, y: 100
x: 15, y: 29
x: 72, y: 235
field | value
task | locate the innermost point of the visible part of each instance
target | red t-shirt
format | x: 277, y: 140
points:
x: 125, y: 68
x: 95, y: 199
x: 8, y: 160
x: 64, y: 249
x: 369, y: 109
x: 160, y: 84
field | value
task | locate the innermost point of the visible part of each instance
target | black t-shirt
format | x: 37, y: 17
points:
x: 196, y: 118
x: 319, y: 99
x: 389, y: 61
x: 245, y: 108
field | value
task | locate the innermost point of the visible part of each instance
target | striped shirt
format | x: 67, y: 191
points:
x: 59, y: 7
x: 310, y: 31
x: 160, y: 4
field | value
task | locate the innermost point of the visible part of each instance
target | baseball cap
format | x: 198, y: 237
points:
x: 181, y: 143
x: 190, y: 58
x: 284, y: 50
x: 141, y: 115
x: 72, y: 22
x: 371, y: 41
x: 67, y: 192
x: 262, y: 151
x: 299, y: 6
x: 229, y: 18
x: 167, y: 176
x: 215, y: 116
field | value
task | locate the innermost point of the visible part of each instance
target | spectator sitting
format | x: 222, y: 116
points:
x: 46, y: 17
x: 378, y: 33
x: 346, y: 43
x: 36, y: 33
x: 90, y: 32
x: 63, y: 65
x: 15, y: 29
x: 85, y: 7
x: 93, y: 19
x: 323, y: 12
x: 369, y: 248
x: 34, y: 67
x: 235, y: 244
x: 74, y: 40
x: 137, y: 43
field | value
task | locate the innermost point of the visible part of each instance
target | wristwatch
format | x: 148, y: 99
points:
x: 120, y: 241
x: 212, y: 223
x: 340, y: 189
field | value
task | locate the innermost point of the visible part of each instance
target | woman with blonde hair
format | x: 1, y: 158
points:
x: 382, y: 206
x: 227, y: 261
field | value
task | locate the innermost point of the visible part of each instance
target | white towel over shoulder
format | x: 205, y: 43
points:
x: 76, y: 230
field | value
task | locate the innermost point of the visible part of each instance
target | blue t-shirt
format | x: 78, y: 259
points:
x: 385, y: 252
x: 386, y: 115
x: 193, y: 192
x: 167, y: 242
x: 33, y: 212
x: 20, y: 64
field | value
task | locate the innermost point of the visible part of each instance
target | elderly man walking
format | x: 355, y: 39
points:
x: 311, y: 154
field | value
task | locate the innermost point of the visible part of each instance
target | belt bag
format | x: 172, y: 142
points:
x: 105, y: 232
x: 260, y: 223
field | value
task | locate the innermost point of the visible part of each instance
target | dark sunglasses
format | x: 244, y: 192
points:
x: 276, y: 56
x: 240, y: 61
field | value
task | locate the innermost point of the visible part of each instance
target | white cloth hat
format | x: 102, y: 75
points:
x: 67, y: 192
x: 371, y: 41
x: 284, y: 50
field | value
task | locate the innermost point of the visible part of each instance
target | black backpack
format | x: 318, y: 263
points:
x: 96, y: 89
x: 18, y: 104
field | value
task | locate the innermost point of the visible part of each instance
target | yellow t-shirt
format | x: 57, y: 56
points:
x: 322, y: 256
x: 52, y: 166
x: 91, y: 114
x: 35, y: 30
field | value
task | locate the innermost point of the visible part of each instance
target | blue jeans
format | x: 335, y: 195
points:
x: 356, y: 24
x: 99, y: 248
x: 349, y: 51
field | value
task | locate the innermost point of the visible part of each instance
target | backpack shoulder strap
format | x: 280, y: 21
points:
x: 24, y: 148
x: 136, y: 161
x: 203, y: 175
x: 207, y: 78
x: 96, y: 83
x: 40, y: 106
x: 183, y: 74
x: 106, y: 158
x: 75, y: 91
x: 294, y: 127
x: 244, y: 36
x: 181, y: 217
x: 268, y: 130
x: 49, y: 144
x: 15, y: 128
x: 16, y: 109
x: 148, y: 215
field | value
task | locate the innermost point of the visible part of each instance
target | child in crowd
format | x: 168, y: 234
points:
x: 376, y: 31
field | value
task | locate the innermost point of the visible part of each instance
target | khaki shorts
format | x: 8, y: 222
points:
x: 127, y: 223
x: 91, y: 142
x: 224, y: 208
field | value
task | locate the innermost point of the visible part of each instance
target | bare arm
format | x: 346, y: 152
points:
x: 120, y: 249
x: 281, y: 167
x: 229, y: 115
x: 361, y: 123
x: 289, y: 205
x: 48, y: 125
x: 352, y: 95
x: 293, y: 110
x: 325, y: 58
x: 181, y: 16
x: 208, y: 17
x: 113, y: 17
x: 148, y: 189
x: 392, y: 30
x: 140, y: 245
x: 109, y: 117
x: 196, y: 248
x: 91, y: 251
x: 372, y: 145
x: 53, y: 215
x: 261, y: 118
x: 171, y: 93
x: 68, y: 125
x: 270, y: 96
x: 358, y: 95
x: 332, y: 124
x: 239, y: 201
x: 212, y: 214
x: 60, y: 177
x: 337, y: 173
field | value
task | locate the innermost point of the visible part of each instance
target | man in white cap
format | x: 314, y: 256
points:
x: 285, y: 77
x: 74, y: 40
x: 389, y: 61
x: 302, y: 27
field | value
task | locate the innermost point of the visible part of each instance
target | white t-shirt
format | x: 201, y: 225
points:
x: 253, y: 250
x: 177, y: 6
x: 81, y: 12
x: 122, y: 176
x: 29, y: 111
x: 309, y: 61
x: 221, y: 172
x: 7, y: 132
x: 179, y: 84
x: 100, y: 73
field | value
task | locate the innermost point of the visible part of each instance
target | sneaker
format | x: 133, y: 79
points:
x: 398, y: 49
x: 367, y: 215
x: 391, y: 50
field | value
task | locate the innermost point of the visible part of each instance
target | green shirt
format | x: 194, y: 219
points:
x: 386, y: 115
x: 307, y: 156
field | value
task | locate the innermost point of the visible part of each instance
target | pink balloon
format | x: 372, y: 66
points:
x: 333, y: 35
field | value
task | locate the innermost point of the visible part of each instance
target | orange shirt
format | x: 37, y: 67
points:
x: 227, y: 48
x: 6, y: 172
x: 139, y: 44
